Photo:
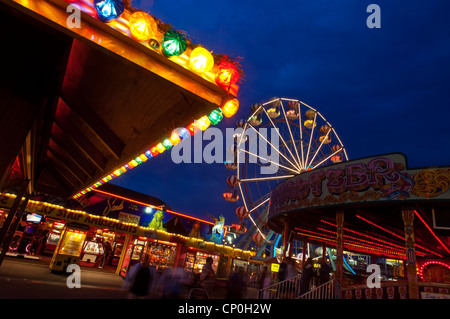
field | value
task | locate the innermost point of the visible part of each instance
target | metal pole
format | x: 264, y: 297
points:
x: 13, y: 227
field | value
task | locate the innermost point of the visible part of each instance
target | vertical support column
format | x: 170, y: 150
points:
x: 291, y: 244
x: 411, y: 268
x: 339, y: 252
x: 285, y: 238
x: 123, y: 253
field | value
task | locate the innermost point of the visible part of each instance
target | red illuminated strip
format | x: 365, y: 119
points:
x: 382, y: 228
x: 431, y: 231
x: 357, y: 247
x: 152, y: 206
x: 374, y: 248
x: 374, y: 245
x: 393, y: 234
x: 378, y: 239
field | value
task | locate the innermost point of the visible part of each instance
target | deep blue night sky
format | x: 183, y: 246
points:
x: 384, y: 90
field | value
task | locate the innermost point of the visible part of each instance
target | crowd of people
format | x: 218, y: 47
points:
x: 143, y: 281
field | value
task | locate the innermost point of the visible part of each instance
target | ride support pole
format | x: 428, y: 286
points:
x: 339, y: 251
x: 285, y: 237
x: 408, y: 219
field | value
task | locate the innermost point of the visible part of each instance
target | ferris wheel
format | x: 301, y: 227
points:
x: 280, y: 139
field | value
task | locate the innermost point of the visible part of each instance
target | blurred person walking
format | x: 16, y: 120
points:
x: 172, y: 282
x: 208, y: 277
x: 237, y: 284
x: 307, y: 276
x: 264, y: 281
x: 140, y: 279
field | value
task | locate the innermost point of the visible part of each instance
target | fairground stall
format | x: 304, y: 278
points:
x: 373, y: 210
x: 133, y: 224
x: 83, y: 83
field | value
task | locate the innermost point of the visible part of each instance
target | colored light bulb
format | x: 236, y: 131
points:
x: 230, y: 108
x: 184, y: 133
x: 192, y: 128
x: 173, y: 43
x: 201, y: 60
x: 227, y: 75
x: 167, y: 144
x: 154, y: 151
x: 216, y: 116
x: 108, y: 10
x: 203, y: 123
x: 142, y: 26
x: 160, y: 147
x: 175, y: 138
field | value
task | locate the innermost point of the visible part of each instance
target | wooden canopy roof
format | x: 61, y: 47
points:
x: 76, y: 104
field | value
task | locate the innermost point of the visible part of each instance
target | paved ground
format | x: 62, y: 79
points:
x: 32, y: 279
x: 22, y: 278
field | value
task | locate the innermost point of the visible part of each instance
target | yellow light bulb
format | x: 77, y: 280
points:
x: 203, y: 123
x: 201, y: 60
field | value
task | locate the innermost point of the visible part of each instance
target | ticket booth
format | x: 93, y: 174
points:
x: 69, y: 247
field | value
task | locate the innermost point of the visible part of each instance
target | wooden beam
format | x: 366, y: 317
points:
x: 48, y: 117
x: 75, y: 151
x: 69, y: 164
x: 64, y: 172
x: 86, y: 113
x: 65, y: 122
x: 75, y: 155
x: 62, y: 182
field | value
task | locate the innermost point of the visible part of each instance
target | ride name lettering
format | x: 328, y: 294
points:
x: 354, y: 177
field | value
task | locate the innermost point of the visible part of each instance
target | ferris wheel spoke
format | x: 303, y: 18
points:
x: 301, y: 135
x: 326, y: 159
x: 246, y: 208
x: 259, y: 205
x: 282, y: 139
x: 292, y: 137
x: 245, y: 180
x: 274, y: 148
x: 311, y: 137
x: 268, y: 161
x: 340, y: 142
x: 320, y: 146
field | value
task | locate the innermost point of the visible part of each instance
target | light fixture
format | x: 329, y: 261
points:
x: 227, y: 75
x: 201, y: 60
x: 173, y: 43
x: 108, y: 10
x: 216, y: 116
x: 230, y: 108
x: 142, y: 26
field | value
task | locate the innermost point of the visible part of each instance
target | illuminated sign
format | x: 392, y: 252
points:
x: 274, y: 267
x: 381, y: 178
